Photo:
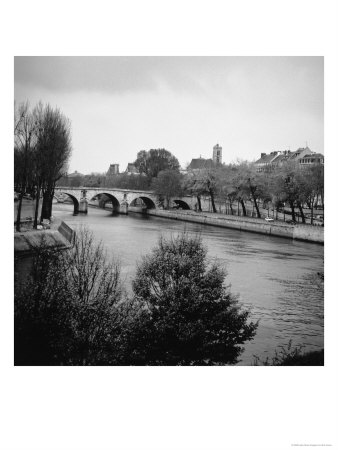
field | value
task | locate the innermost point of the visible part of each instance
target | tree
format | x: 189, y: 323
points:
x: 53, y: 152
x: 311, y: 187
x: 205, y: 182
x: 168, y: 184
x: 128, y: 181
x: 186, y: 314
x: 193, y: 187
x: 154, y: 161
x: 24, y: 145
x: 230, y: 182
x: 288, y: 186
x: 68, y: 310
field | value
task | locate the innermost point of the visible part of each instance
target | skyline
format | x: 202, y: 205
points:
x: 121, y: 105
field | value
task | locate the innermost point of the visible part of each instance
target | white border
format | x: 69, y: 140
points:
x: 169, y: 408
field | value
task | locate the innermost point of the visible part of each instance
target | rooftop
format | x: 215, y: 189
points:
x: 201, y: 163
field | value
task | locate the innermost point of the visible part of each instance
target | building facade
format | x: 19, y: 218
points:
x: 113, y: 170
x: 132, y: 169
x: 203, y: 163
x: 273, y: 160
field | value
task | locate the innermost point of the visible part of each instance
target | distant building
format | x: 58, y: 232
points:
x: 310, y: 159
x: 273, y: 160
x: 300, y: 153
x: 113, y: 170
x: 75, y: 174
x: 132, y: 169
x: 265, y: 162
x: 201, y: 163
x: 217, y: 154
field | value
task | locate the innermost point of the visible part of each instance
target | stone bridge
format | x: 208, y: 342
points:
x: 122, y: 199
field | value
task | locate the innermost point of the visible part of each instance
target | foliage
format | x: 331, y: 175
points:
x: 128, y: 181
x: 168, y: 184
x: 204, y: 182
x: 66, y: 313
x: 42, y: 147
x: 187, y: 315
x: 292, y: 356
x: 154, y: 161
x: 53, y: 152
x: 72, y: 309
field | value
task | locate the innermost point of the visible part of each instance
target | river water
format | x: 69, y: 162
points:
x: 276, y: 278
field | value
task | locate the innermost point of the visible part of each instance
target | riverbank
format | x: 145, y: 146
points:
x: 59, y: 235
x: 281, y: 229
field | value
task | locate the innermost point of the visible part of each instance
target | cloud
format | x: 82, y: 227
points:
x: 67, y: 73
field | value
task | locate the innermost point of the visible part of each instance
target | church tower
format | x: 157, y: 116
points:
x: 217, y: 154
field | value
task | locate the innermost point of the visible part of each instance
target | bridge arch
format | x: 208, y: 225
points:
x: 181, y: 204
x: 113, y: 199
x: 75, y: 203
x: 149, y: 203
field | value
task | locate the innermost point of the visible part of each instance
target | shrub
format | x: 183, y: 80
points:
x: 67, y: 312
x: 292, y: 356
x: 187, y: 316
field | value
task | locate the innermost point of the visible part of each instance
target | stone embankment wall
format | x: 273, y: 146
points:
x: 67, y: 232
x: 60, y: 235
x: 282, y: 229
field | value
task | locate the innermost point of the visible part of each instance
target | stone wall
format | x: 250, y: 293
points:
x: 299, y: 232
x: 66, y: 232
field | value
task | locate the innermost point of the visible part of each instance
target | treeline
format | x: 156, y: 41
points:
x: 239, y: 183
x: 148, y: 164
x: 231, y: 185
x: 42, y: 148
x: 73, y: 309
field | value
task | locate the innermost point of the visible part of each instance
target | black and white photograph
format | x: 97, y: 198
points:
x: 169, y: 210
x: 171, y: 284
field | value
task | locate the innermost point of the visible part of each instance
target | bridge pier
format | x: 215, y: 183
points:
x: 123, y: 208
x: 83, y: 206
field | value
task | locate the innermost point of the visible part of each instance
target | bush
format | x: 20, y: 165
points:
x: 67, y: 312
x: 292, y: 356
x: 72, y: 310
x: 186, y: 315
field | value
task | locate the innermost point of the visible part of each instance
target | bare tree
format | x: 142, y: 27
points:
x: 24, y: 145
x: 67, y: 312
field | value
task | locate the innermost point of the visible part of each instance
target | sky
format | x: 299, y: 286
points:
x: 121, y: 105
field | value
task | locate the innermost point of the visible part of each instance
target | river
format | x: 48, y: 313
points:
x: 276, y: 278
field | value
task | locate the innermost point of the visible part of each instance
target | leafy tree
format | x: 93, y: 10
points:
x: 154, y: 161
x: 288, y: 186
x: 311, y: 187
x: 53, y: 152
x: 168, y: 184
x: 233, y: 184
x: 192, y: 186
x: 205, y: 182
x: 186, y: 314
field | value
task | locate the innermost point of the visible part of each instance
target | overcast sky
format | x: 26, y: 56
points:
x: 120, y: 105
